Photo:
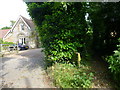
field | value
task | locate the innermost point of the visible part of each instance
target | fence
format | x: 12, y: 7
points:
x: 7, y: 48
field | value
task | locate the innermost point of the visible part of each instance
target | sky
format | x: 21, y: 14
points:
x: 10, y: 10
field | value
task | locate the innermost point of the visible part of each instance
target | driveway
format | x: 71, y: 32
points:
x: 24, y: 70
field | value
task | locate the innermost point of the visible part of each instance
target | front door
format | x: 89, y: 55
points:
x: 22, y: 41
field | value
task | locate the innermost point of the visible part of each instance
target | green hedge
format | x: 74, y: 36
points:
x: 62, y: 28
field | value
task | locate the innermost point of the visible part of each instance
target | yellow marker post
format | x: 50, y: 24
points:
x: 79, y: 59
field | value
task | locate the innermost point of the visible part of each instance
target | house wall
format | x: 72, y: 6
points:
x: 9, y: 38
x: 15, y: 34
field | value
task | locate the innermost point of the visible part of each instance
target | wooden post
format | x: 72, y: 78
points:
x: 17, y: 48
x: 1, y: 49
x: 79, y: 59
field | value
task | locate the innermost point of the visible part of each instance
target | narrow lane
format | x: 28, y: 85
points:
x: 25, y: 70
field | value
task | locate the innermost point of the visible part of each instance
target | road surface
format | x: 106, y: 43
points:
x: 24, y: 70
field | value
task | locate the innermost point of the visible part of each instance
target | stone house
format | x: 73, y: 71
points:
x: 22, y: 33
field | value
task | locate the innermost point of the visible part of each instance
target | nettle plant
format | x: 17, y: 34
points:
x: 114, y: 63
x: 66, y: 75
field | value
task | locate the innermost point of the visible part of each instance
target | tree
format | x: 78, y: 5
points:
x: 5, y: 28
x: 63, y: 29
x: 12, y: 22
x: 1, y: 40
x: 105, y: 19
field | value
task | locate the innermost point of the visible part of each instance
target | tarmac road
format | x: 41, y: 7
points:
x: 24, y: 70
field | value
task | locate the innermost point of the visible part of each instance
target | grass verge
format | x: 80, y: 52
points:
x: 67, y: 75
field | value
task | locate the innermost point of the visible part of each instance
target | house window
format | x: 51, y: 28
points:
x: 21, y: 26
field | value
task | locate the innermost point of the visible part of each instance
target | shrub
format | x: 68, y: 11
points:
x: 66, y: 75
x: 7, y: 43
x: 1, y: 41
x: 114, y: 64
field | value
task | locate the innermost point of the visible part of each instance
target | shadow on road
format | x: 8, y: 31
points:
x: 4, y: 59
x: 32, y: 59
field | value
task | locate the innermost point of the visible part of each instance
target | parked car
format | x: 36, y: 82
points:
x: 18, y: 47
x: 12, y: 47
x: 23, y: 47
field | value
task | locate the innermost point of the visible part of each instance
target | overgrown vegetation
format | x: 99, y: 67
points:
x: 66, y: 28
x: 59, y: 35
x: 114, y: 62
x: 105, y: 19
x: 67, y: 75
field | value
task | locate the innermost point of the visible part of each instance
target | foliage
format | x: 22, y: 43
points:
x: 70, y: 19
x: 3, y: 42
x: 5, y: 28
x: 66, y: 75
x: 12, y: 22
x: 114, y: 64
x: 4, y: 45
x: 62, y: 28
x: 105, y: 19
x: 7, y: 43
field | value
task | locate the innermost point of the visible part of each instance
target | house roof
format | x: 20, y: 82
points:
x: 3, y: 32
x: 29, y: 22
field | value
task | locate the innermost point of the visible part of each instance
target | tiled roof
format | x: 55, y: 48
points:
x: 29, y: 22
x: 3, y: 32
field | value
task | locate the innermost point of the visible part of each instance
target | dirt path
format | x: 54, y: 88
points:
x: 102, y: 78
x: 24, y: 70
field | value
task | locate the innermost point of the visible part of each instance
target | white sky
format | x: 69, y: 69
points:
x: 10, y: 10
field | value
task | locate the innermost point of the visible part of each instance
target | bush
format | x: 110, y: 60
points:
x: 66, y: 75
x: 1, y: 41
x: 114, y: 64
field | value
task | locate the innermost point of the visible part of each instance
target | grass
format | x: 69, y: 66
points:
x: 67, y: 75
x: 93, y: 73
